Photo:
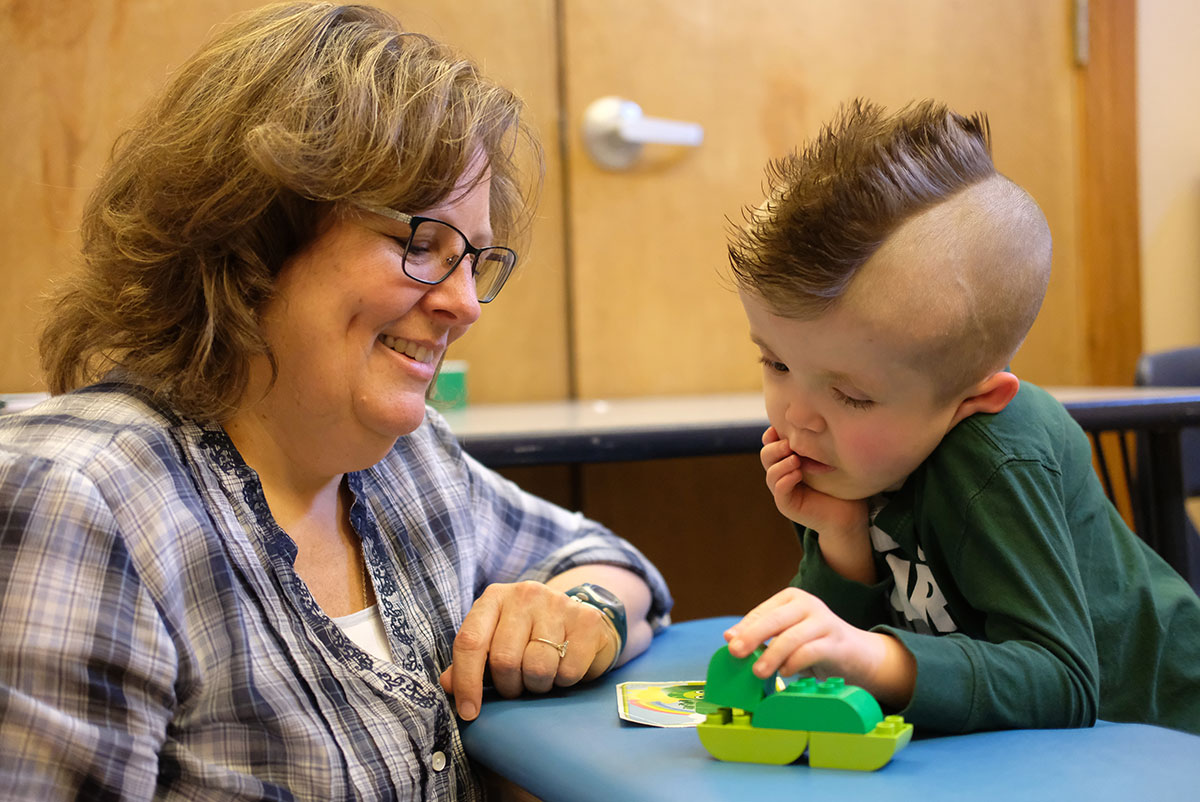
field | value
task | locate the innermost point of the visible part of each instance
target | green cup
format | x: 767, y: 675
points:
x: 450, y: 387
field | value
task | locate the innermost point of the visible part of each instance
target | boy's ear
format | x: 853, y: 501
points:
x: 990, y: 395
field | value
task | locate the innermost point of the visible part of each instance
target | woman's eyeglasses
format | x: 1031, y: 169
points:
x: 433, y: 249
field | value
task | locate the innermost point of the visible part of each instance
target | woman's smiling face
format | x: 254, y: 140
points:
x: 356, y: 341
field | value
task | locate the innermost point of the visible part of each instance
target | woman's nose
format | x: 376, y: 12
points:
x: 456, y: 295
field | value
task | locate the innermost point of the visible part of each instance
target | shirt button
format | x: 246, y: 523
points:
x: 438, y: 761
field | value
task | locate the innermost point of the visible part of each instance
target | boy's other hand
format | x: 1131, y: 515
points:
x: 806, y: 636
x: 802, y: 634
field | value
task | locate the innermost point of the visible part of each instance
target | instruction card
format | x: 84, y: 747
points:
x: 663, y: 704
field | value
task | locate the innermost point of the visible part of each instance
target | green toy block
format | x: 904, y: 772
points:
x: 731, y: 736
x: 731, y: 682
x: 839, y: 750
x: 841, y: 726
x: 829, y: 706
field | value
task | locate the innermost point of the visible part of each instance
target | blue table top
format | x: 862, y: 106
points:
x: 571, y: 746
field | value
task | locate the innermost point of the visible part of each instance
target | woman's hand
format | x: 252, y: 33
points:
x: 805, y: 635
x: 501, y: 631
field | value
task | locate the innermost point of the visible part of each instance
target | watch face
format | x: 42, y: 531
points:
x: 604, y: 595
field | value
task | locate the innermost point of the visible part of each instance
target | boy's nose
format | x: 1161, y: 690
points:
x: 805, y: 416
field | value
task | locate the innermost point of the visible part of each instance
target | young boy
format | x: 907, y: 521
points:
x: 961, y: 561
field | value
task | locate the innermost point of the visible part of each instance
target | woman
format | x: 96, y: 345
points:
x: 238, y: 556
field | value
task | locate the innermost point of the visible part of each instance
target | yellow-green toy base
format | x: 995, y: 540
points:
x: 730, y: 736
x: 841, y: 750
x: 739, y: 742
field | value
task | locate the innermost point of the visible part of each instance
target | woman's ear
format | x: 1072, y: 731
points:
x: 990, y: 395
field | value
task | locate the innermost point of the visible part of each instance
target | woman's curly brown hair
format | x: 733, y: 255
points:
x: 288, y: 115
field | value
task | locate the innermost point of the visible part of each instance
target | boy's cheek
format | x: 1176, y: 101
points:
x: 881, y: 454
x: 865, y: 447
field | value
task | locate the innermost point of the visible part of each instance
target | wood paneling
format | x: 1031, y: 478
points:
x: 73, y: 74
x: 648, y: 244
x: 709, y: 524
x: 1109, y: 247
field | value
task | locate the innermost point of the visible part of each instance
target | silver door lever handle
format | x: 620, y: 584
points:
x: 614, y: 130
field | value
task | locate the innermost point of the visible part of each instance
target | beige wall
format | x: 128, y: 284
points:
x: 1169, y: 171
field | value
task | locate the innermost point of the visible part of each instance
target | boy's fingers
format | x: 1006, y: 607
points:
x: 770, y: 435
x: 792, y: 636
x: 762, y: 608
x: 779, y: 614
x: 781, y: 469
x: 773, y: 453
x: 757, y: 626
x: 803, y: 654
x: 787, y: 483
x: 801, y: 639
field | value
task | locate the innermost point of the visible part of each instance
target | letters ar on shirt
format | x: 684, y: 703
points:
x: 916, y: 598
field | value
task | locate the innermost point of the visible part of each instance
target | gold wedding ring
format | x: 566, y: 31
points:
x: 561, y: 647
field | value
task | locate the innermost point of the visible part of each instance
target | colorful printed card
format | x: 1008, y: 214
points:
x: 663, y: 704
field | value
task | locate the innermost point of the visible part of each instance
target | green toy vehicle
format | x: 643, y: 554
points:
x: 841, y: 726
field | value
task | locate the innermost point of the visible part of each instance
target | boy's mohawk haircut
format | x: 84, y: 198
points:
x: 831, y: 206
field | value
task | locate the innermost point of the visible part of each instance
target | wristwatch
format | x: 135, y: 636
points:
x: 606, y: 602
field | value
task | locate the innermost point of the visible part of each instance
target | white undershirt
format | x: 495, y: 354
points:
x: 365, y: 628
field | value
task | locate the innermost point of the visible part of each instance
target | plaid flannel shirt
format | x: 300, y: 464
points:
x: 155, y: 640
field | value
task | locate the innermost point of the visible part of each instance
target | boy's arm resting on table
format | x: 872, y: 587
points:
x: 1031, y: 661
x: 860, y: 605
x: 86, y: 665
x: 1028, y: 657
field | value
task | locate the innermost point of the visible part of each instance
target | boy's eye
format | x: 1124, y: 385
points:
x: 771, y: 364
x: 852, y: 402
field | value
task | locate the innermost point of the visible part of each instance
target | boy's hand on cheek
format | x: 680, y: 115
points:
x: 843, y: 526
x: 799, y: 502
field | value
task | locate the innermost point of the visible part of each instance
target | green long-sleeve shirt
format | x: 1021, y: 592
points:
x: 1011, y: 578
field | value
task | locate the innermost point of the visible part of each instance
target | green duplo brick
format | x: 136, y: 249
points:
x: 829, y: 706
x: 731, y: 682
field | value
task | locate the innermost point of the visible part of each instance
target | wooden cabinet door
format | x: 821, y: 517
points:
x: 651, y: 309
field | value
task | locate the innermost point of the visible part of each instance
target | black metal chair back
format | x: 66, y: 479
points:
x: 1178, y: 367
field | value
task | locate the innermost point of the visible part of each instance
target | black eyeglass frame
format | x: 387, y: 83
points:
x: 412, y: 221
